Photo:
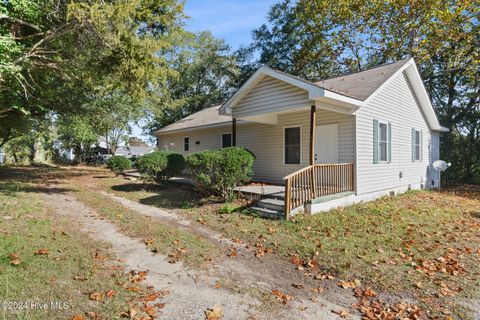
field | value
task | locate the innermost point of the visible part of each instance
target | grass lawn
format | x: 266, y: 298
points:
x: 423, y: 245
x: 43, y: 260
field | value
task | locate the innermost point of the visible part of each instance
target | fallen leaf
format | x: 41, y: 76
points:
x: 148, y: 242
x: 297, y: 285
x: 232, y: 253
x: 110, y: 293
x: 77, y: 317
x: 41, y: 252
x: 342, y: 313
x: 214, y: 314
x: 218, y: 285
x: 349, y: 284
x: 14, y: 258
x: 96, y: 296
x: 152, y: 297
x: 131, y: 313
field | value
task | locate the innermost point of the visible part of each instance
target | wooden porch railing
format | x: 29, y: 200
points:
x: 315, y: 181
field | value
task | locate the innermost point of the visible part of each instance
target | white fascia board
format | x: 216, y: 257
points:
x: 422, y: 96
x: 206, y: 126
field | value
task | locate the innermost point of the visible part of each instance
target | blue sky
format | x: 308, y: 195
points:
x: 231, y: 20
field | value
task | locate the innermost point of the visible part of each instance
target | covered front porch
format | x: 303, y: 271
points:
x: 310, y: 162
x: 302, y: 135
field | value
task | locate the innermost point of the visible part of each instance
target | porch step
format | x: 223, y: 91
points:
x: 272, y: 204
x: 267, y: 213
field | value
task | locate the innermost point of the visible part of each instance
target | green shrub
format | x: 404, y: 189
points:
x: 160, y: 166
x: 118, y: 164
x: 219, y: 171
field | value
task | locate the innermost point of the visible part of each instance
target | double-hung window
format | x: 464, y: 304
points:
x: 382, y: 141
x: 292, y: 145
x: 416, y: 145
x: 186, y: 144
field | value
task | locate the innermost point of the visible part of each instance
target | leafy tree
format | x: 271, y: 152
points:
x: 317, y: 39
x: 77, y: 133
x: 56, y: 54
x: 206, y: 70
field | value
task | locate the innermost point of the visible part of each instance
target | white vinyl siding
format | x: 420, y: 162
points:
x: 266, y: 141
x: 201, y: 139
x: 271, y: 95
x: 397, y: 105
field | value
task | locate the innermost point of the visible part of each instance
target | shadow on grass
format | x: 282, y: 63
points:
x: 170, y: 196
x: 12, y: 188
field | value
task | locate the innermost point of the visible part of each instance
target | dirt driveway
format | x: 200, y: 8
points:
x: 247, y: 283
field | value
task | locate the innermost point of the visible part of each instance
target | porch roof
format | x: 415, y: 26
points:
x: 202, y: 118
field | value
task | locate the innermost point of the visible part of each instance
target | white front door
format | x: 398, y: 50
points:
x: 326, y: 143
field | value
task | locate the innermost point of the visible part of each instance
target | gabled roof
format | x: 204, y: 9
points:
x: 205, y: 117
x: 354, y: 90
x: 363, y: 84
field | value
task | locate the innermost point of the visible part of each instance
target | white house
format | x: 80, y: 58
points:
x: 330, y: 143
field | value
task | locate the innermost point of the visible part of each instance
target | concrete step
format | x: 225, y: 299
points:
x: 267, y: 213
x: 272, y: 204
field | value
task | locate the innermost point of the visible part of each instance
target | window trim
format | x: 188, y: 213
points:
x: 221, y: 139
x: 378, y: 142
x: 283, y: 145
x: 186, y: 137
x: 414, y: 145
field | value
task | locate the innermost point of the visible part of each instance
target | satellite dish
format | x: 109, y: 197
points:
x: 441, y: 165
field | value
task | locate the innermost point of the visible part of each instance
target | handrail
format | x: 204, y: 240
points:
x: 317, y: 180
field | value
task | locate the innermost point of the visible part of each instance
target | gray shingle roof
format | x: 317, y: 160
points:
x: 361, y: 85
x: 205, y: 117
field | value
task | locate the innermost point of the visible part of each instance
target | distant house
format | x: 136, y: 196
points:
x: 134, y: 151
x: 61, y: 152
x: 332, y: 142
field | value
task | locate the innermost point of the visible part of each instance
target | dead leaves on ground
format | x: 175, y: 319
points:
x: 378, y: 309
x: 283, y: 297
x: 177, y: 255
x: 15, y: 258
x: 342, y: 313
x: 214, y: 313
x: 445, y: 264
x: 349, y: 284
x: 41, y: 252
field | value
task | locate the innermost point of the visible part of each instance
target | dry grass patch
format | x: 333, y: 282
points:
x: 424, y: 245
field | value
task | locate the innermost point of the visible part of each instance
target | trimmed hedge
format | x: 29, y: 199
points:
x: 118, y: 164
x: 160, y: 166
x: 219, y: 171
